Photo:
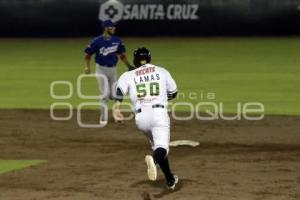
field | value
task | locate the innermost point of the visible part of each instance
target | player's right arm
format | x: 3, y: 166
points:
x: 87, y: 67
x: 122, y: 90
x: 89, y: 51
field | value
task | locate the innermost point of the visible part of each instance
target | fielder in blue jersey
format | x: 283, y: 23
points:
x: 106, y: 48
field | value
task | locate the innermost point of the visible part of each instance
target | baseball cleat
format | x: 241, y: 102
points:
x: 173, y: 182
x: 151, y: 171
x: 103, y: 123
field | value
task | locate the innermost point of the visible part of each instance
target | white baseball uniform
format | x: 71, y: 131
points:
x: 148, y: 87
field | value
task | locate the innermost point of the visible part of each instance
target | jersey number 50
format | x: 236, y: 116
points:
x: 142, y: 91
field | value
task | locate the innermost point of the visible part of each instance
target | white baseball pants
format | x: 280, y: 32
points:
x: 155, y: 124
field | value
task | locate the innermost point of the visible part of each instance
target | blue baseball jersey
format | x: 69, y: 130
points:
x: 106, y: 50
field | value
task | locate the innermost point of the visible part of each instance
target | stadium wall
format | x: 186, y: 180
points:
x: 59, y: 18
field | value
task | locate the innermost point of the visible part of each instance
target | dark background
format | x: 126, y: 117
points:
x: 65, y: 18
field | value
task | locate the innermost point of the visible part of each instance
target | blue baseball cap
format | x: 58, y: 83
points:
x: 107, y: 23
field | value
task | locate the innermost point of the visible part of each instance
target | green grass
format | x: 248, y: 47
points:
x: 11, y: 165
x: 266, y: 70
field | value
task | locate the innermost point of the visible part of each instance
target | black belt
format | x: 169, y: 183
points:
x: 153, y: 106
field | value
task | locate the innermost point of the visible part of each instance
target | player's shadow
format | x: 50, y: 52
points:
x: 161, y: 183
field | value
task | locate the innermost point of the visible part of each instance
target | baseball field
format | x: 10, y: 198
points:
x: 41, y: 158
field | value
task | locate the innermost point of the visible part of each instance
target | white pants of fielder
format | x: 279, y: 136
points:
x: 155, y: 124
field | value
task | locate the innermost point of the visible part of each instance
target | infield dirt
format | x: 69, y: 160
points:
x: 235, y: 160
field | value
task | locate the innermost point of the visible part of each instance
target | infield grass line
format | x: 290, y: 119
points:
x: 13, y: 165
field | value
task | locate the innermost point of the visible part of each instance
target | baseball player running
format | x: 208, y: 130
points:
x: 106, y: 47
x: 149, y: 88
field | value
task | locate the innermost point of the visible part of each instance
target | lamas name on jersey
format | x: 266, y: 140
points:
x: 147, y: 78
x: 141, y: 76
